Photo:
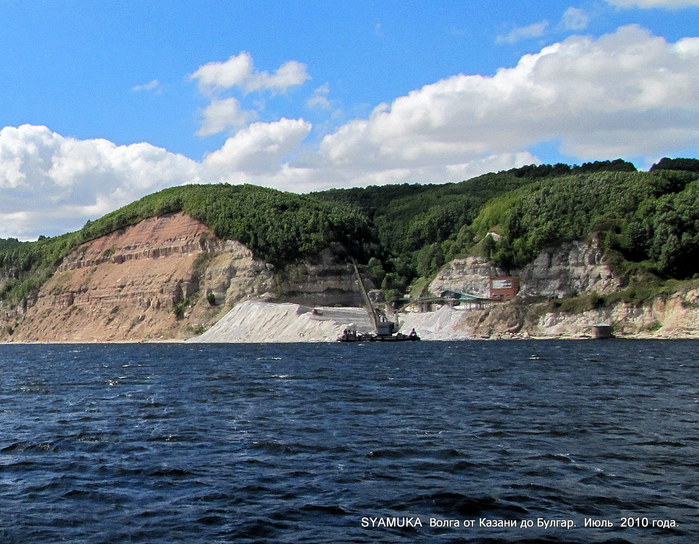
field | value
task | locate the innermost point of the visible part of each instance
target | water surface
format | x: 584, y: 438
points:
x: 318, y: 443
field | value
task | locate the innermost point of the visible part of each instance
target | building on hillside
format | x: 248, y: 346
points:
x: 504, y: 288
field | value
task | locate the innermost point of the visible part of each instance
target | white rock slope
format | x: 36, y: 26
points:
x: 444, y: 324
x: 259, y: 322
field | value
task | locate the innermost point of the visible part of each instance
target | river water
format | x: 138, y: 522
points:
x: 445, y: 442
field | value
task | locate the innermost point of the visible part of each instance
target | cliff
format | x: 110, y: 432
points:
x: 571, y: 269
x: 676, y: 316
x: 566, y: 270
x: 167, y: 277
x: 465, y: 275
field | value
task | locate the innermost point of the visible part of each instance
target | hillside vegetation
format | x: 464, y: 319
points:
x: 279, y: 227
x: 649, y: 220
x: 649, y: 217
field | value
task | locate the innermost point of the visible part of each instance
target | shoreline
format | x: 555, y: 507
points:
x: 260, y: 322
x: 497, y: 338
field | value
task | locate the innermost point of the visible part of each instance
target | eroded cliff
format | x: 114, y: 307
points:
x: 566, y: 270
x: 170, y: 277
x: 569, y: 270
x: 676, y: 316
x: 167, y: 277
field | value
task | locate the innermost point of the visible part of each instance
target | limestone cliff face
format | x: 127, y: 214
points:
x: 326, y: 281
x: 570, y: 269
x: 167, y: 277
x: 676, y: 316
x: 564, y: 271
x: 467, y: 275
x: 567, y: 270
x: 671, y: 317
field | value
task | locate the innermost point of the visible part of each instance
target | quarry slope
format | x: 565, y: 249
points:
x: 261, y: 322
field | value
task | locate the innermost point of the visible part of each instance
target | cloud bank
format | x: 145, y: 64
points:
x: 627, y: 94
x: 50, y: 184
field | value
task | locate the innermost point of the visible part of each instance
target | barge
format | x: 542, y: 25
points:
x: 386, y: 330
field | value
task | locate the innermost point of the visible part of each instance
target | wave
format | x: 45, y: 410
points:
x: 30, y: 447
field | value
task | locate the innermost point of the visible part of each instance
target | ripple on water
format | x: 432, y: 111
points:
x: 291, y: 444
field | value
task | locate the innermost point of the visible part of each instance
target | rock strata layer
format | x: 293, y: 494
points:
x: 168, y: 277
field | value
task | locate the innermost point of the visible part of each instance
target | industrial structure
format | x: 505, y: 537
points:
x: 503, y: 288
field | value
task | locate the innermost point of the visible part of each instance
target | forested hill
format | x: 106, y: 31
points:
x: 279, y: 227
x: 650, y: 220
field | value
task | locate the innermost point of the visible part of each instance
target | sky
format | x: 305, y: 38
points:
x: 104, y: 101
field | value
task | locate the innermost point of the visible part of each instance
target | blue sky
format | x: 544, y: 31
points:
x: 105, y: 101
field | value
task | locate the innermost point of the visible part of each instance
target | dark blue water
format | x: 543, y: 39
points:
x: 329, y: 443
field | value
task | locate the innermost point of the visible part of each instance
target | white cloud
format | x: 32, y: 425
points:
x: 626, y: 94
x: 224, y: 75
x: 669, y: 4
x: 221, y: 115
x: 320, y: 98
x: 313, y: 174
x: 289, y: 74
x: 51, y: 184
x: 535, y: 30
x: 258, y: 149
x: 575, y: 19
x: 153, y: 85
x: 238, y: 71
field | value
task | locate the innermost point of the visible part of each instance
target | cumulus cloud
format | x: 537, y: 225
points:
x: 312, y: 174
x: 221, y: 115
x: 259, y: 149
x: 50, y: 183
x: 535, y: 30
x: 238, y: 71
x: 626, y: 94
x: 669, y: 4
